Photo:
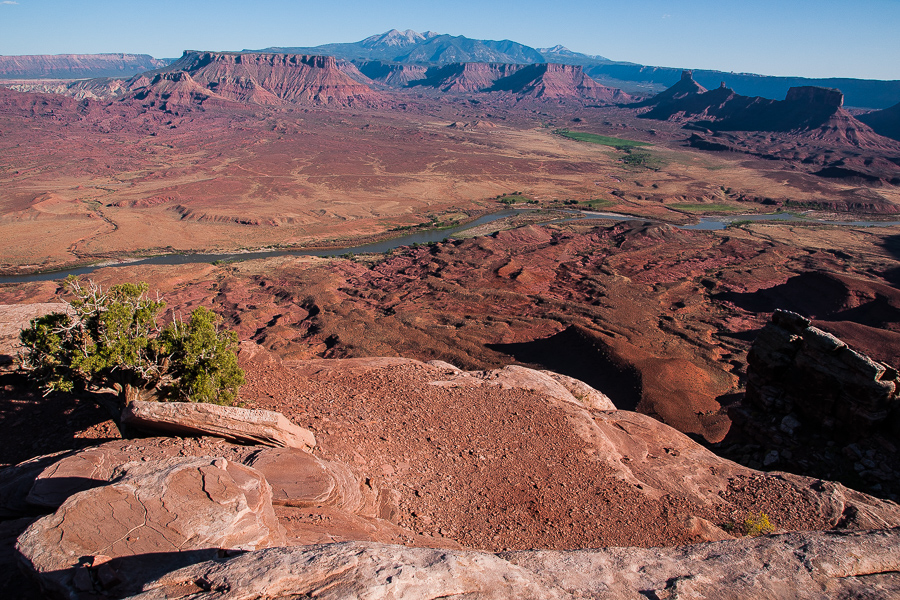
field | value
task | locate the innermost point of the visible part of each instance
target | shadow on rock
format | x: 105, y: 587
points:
x: 101, y: 576
x: 13, y: 581
x: 34, y: 424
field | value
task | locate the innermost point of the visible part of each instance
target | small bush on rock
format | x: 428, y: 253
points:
x: 110, y: 339
x: 758, y: 524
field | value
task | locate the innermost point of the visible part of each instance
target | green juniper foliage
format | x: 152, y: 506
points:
x: 110, y: 339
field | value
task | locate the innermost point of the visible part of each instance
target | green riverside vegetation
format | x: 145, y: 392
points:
x: 705, y: 207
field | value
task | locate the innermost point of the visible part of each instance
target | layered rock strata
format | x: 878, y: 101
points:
x: 232, y: 423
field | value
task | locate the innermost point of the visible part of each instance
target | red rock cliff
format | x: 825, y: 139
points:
x: 273, y: 78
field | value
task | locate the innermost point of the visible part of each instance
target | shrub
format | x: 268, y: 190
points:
x: 111, y: 339
x: 758, y: 524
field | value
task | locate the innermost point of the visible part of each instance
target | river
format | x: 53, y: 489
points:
x: 707, y: 223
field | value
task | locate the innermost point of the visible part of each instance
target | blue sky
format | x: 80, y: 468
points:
x: 823, y: 38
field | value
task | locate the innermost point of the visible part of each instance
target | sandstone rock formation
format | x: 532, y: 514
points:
x: 806, y: 565
x: 229, y: 422
x: 685, y: 87
x: 809, y: 127
x: 813, y: 112
x: 645, y: 457
x: 543, y: 81
x: 158, y: 516
x: 802, y: 566
x: 68, y: 473
x: 392, y: 74
x: 554, y: 81
x: 177, y: 88
x: 803, y: 371
x: 554, y: 385
x: 300, y: 479
x: 885, y: 122
x: 266, y: 79
x: 355, y: 570
x: 179, y: 510
x: 101, y: 88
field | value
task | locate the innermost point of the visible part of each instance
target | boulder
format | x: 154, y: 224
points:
x: 548, y: 383
x: 73, y: 472
x: 300, y: 479
x: 795, y: 368
x: 155, y: 517
x: 354, y: 570
x: 16, y: 482
x: 242, y: 425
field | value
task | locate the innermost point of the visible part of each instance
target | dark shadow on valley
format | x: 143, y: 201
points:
x: 809, y: 294
x: 577, y: 353
x: 891, y: 243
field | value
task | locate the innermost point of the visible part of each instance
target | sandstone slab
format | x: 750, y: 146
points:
x: 156, y: 516
x: 70, y: 473
x: 802, y: 566
x: 797, y: 368
x: 548, y: 383
x: 799, y: 566
x: 354, y: 570
x: 232, y: 423
x: 300, y: 479
x: 664, y: 462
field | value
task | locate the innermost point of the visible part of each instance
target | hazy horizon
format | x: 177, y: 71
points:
x: 800, y: 38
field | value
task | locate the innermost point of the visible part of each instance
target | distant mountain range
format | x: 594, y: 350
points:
x: 432, y: 48
x: 429, y: 49
x: 77, y: 66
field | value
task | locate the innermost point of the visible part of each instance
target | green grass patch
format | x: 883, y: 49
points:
x: 598, y: 203
x: 603, y: 140
x: 705, y: 207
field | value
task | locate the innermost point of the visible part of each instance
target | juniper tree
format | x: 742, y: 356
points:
x: 111, y: 339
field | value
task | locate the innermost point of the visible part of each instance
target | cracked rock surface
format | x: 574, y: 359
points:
x: 156, y: 516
